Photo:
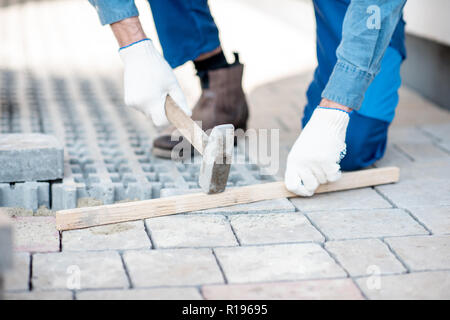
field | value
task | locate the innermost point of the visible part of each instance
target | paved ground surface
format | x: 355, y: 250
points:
x: 60, y: 74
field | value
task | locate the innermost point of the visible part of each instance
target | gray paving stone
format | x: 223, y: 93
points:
x: 393, y: 157
x: 17, y: 277
x: 441, y: 132
x: 423, y: 253
x: 172, y: 267
x: 30, y: 157
x: 94, y: 270
x: 121, y: 236
x: 6, y: 242
x: 364, y: 257
x: 35, y: 234
x: 40, y: 295
x: 418, y: 193
x: 191, y: 231
x: 142, y: 294
x: 274, y: 228
x: 336, y: 289
x: 366, y: 198
x: 437, y: 219
x: 277, y: 205
x: 414, y: 286
x: 28, y: 195
x: 277, y: 262
x: 351, y: 224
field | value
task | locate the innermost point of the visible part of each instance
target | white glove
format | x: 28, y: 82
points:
x: 315, y: 156
x: 148, y: 79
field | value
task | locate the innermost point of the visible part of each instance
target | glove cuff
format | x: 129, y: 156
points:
x: 133, y: 49
x: 335, y: 120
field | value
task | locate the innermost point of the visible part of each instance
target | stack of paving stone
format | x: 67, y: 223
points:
x: 28, y: 164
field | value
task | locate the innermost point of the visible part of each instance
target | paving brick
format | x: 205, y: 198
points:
x: 121, y: 236
x: 39, y: 295
x: 441, y: 132
x: 414, y: 286
x: 336, y: 289
x: 353, y: 224
x: 437, y: 219
x: 360, y: 257
x: 418, y: 193
x: 30, y: 157
x: 423, y: 253
x: 366, y: 198
x: 393, y: 157
x: 191, y: 231
x: 96, y: 270
x: 6, y: 242
x: 278, y: 262
x: 28, y: 195
x: 416, y: 144
x: 142, y: 294
x: 274, y: 228
x: 277, y: 205
x: 17, y: 277
x: 35, y: 234
x: 172, y: 267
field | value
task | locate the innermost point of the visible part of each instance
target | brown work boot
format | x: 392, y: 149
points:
x: 222, y: 102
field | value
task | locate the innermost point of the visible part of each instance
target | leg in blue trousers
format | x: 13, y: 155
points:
x: 367, y: 130
x: 186, y: 29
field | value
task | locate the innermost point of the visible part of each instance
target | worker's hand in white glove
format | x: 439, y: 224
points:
x: 315, y: 156
x: 148, y: 79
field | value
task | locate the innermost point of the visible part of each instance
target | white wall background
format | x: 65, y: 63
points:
x: 429, y: 19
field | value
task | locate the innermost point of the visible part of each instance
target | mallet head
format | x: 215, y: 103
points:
x: 217, y: 159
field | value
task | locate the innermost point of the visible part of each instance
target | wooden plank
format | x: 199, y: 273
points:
x: 107, y: 214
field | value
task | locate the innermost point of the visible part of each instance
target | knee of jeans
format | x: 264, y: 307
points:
x: 366, y: 142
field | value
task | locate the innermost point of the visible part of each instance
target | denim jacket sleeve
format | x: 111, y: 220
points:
x: 366, y: 32
x: 110, y: 11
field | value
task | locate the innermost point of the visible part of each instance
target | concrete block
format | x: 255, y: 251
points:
x: 351, y: 224
x: 274, y: 228
x: 40, y: 295
x: 28, y: 195
x: 423, y: 253
x: 191, y: 231
x: 366, y: 198
x: 17, y: 278
x: 418, y: 193
x: 172, y: 267
x: 441, y: 132
x: 364, y: 257
x: 183, y: 293
x: 276, y: 205
x: 277, y: 262
x: 411, y: 286
x: 76, y: 270
x: 35, y: 234
x: 122, y: 236
x: 336, y: 289
x: 437, y: 219
x: 6, y: 242
x: 30, y: 157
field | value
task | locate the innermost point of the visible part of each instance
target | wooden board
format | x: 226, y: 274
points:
x: 114, y: 213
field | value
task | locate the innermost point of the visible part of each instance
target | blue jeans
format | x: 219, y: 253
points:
x: 352, y: 69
